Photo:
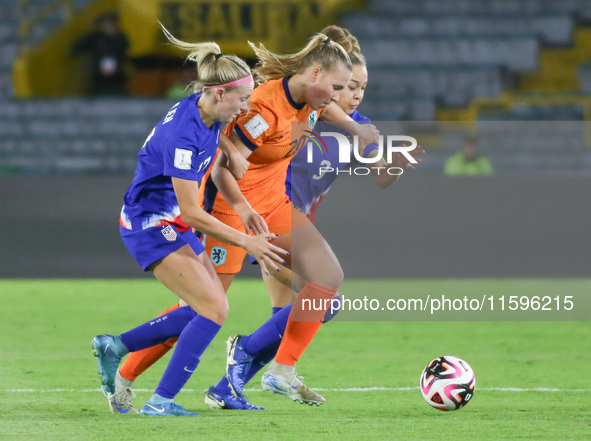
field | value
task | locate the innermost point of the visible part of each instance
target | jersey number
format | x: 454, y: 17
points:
x: 204, y: 164
x: 324, y: 163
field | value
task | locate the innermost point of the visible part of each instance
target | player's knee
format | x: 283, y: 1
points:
x: 217, y: 311
x: 223, y: 311
x: 330, y: 276
x: 335, y: 277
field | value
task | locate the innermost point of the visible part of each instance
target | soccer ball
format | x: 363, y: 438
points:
x: 448, y: 383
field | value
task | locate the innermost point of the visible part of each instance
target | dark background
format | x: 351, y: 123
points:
x: 423, y: 226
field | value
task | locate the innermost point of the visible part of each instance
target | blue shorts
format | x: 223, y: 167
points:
x: 152, y: 244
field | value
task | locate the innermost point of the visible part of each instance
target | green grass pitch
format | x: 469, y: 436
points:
x: 49, y: 382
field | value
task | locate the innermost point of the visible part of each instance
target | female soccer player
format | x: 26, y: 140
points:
x: 295, y: 85
x: 306, y: 188
x: 161, y: 206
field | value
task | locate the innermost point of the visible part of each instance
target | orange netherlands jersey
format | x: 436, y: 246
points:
x: 266, y: 131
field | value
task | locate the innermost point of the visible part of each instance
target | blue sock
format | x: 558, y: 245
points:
x: 193, y: 341
x: 268, y: 354
x: 269, y: 334
x: 329, y: 314
x: 261, y: 360
x: 158, y: 330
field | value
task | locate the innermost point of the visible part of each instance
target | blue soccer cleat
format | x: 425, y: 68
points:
x: 237, y: 365
x: 108, y: 353
x: 170, y: 408
x: 228, y: 401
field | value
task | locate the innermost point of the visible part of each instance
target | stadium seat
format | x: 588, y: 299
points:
x: 518, y: 54
x: 453, y: 86
x: 497, y: 7
x: 551, y: 29
x: 75, y: 135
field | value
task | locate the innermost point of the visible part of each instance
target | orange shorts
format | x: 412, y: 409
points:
x: 227, y: 259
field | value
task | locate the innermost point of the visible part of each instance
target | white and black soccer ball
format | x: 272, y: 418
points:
x: 448, y: 383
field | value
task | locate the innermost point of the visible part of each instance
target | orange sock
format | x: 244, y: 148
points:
x: 304, y: 321
x: 137, y: 362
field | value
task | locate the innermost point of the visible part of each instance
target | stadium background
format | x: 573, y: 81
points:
x: 67, y: 158
x: 515, y: 72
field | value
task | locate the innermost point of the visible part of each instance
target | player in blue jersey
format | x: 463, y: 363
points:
x: 160, y: 208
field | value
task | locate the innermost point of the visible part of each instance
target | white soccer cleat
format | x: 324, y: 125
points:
x: 282, y: 379
x: 120, y: 401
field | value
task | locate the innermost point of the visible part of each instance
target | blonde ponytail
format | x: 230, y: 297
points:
x: 213, y: 67
x: 320, y: 49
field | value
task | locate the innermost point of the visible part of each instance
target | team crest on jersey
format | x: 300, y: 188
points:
x: 218, y: 255
x: 182, y: 159
x: 256, y: 126
x: 169, y: 233
x: 312, y: 118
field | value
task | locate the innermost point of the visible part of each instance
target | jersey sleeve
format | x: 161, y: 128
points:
x: 182, y: 159
x: 256, y: 126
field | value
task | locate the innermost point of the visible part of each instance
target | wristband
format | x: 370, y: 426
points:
x: 370, y: 148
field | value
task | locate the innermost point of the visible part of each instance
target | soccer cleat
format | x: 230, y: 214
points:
x: 120, y: 401
x: 104, y: 349
x: 170, y: 408
x: 290, y: 384
x: 228, y: 401
x: 237, y: 365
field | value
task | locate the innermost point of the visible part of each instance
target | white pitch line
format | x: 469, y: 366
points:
x: 350, y: 389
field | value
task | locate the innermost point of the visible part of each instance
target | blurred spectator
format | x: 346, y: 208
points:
x: 181, y: 88
x: 107, y: 46
x: 468, y: 162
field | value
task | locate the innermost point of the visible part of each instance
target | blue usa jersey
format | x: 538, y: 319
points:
x: 305, y: 184
x: 180, y: 146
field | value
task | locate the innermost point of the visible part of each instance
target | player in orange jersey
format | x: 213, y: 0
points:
x: 296, y: 88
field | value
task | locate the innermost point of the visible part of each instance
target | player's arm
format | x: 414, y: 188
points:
x: 237, y: 163
x: 367, y: 133
x: 187, y: 194
x: 379, y: 171
x: 228, y: 187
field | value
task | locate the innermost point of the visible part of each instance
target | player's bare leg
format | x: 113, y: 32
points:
x: 315, y: 265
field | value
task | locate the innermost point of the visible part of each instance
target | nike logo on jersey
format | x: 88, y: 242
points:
x: 106, y: 347
x: 155, y: 408
x: 188, y: 370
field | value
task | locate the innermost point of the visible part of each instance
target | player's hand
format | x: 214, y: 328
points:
x: 368, y: 134
x: 237, y: 164
x: 266, y: 254
x: 253, y: 221
x: 399, y: 160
